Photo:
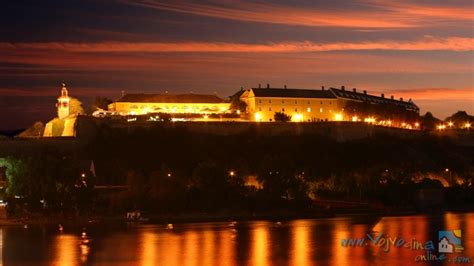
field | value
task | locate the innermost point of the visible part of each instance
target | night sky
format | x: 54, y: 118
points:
x: 411, y: 49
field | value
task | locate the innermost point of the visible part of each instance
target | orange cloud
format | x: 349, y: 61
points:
x: 375, y: 14
x: 425, y: 94
x: 238, y: 64
x: 418, y: 9
x: 427, y: 43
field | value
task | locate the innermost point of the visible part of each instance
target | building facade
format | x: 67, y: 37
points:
x: 305, y: 105
x: 138, y: 104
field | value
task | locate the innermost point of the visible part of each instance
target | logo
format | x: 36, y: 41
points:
x: 449, y: 241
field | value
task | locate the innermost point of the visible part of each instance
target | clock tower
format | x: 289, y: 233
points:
x: 63, y: 103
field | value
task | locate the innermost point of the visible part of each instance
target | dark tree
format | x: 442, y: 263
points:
x: 429, y: 122
x: 101, y: 103
x: 281, y: 117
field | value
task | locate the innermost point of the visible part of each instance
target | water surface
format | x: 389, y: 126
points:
x: 294, y: 242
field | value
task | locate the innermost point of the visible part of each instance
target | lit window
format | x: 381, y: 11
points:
x: 309, y: 109
x: 320, y: 110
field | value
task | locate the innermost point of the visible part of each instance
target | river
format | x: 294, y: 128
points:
x: 294, y: 242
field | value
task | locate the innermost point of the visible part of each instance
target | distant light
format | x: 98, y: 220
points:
x: 83, y: 175
x: 446, y: 170
x: 441, y: 127
x: 298, y: 117
x: 355, y: 119
x: 370, y: 120
x: 467, y: 125
x: 338, y: 117
x: 450, y: 124
x: 258, y: 117
x: 206, y: 116
x: 232, y: 173
x: 417, y: 124
x: 169, y: 174
x: 238, y: 112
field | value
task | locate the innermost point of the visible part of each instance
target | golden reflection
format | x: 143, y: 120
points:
x: 226, y: 249
x: 170, y: 249
x: 148, y: 248
x: 260, y: 251
x: 208, y: 248
x: 1, y: 246
x: 301, y: 243
x: 191, y: 245
x: 451, y: 221
x: 340, y: 255
x: 66, y: 250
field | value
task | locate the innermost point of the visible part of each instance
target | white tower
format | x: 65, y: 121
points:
x: 63, y: 103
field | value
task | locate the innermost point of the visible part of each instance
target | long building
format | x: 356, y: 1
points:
x: 136, y: 104
x: 311, y: 105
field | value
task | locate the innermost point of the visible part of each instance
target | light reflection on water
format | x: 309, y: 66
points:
x: 296, y: 242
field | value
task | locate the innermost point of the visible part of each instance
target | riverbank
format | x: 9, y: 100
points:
x: 201, y: 217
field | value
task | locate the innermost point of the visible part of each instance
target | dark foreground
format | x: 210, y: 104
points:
x: 293, y: 242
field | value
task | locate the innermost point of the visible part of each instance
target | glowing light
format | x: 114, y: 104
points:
x: 169, y: 174
x: 355, y: 119
x: 258, y: 116
x: 417, y: 124
x: 370, y: 120
x: 338, y: 117
x: 450, y: 124
x: 298, y: 117
x: 232, y: 173
x: 446, y: 170
x: 467, y: 125
x: 441, y: 127
x: 238, y: 112
x: 206, y: 116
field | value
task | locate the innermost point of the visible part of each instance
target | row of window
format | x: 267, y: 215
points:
x: 296, y: 101
x: 174, y: 107
x: 321, y: 110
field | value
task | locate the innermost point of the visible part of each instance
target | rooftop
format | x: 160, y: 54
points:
x: 292, y: 93
x: 364, y: 97
x: 171, y: 98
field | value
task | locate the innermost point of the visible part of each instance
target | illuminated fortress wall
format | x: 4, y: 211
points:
x: 311, y: 105
x: 136, y: 104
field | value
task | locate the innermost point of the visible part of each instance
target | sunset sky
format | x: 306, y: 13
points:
x: 412, y: 49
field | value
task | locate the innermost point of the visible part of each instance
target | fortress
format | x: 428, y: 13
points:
x: 251, y: 105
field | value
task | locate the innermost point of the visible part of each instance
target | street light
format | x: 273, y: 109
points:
x: 232, y: 173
